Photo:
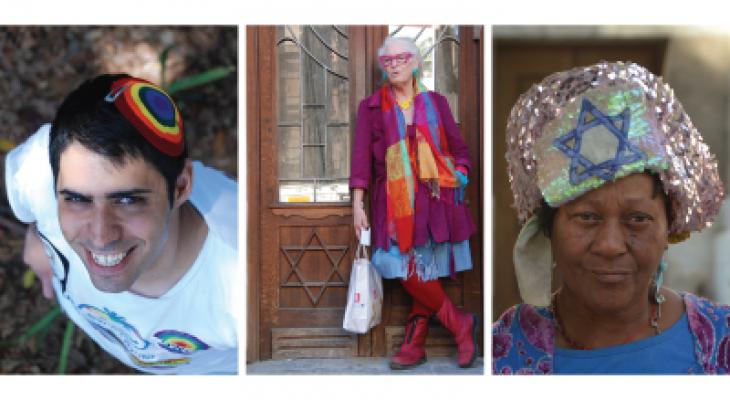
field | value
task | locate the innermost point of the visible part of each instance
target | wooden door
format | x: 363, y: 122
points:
x: 304, y: 85
x: 517, y: 66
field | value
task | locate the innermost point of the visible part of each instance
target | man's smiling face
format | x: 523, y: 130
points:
x: 116, y: 217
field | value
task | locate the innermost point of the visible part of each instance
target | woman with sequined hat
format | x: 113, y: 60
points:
x: 607, y: 170
x: 407, y: 136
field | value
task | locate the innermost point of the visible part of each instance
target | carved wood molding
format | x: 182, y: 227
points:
x: 311, y: 212
x: 312, y: 342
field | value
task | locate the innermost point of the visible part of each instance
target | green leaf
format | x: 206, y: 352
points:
x: 163, y: 64
x: 28, y: 279
x: 68, y: 335
x: 6, y: 145
x: 43, y: 323
x: 200, y: 79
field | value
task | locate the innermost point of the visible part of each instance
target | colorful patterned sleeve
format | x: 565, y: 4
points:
x: 710, y: 326
x: 522, y: 341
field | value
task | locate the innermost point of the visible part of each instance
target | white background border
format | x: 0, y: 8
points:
x: 267, y: 12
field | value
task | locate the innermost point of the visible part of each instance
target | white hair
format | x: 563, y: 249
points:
x: 410, y: 46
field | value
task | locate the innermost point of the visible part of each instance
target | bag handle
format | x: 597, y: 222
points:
x: 361, y: 249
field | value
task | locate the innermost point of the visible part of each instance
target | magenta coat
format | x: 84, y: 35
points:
x: 441, y: 218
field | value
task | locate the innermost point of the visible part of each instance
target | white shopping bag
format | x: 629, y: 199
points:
x: 364, y: 296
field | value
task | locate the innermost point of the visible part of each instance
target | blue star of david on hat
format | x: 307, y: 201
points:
x: 599, y: 146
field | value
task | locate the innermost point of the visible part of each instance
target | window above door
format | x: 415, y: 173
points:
x: 313, y: 124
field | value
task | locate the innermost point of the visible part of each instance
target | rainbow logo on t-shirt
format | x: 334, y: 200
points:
x: 180, y: 342
x: 161, y: 364
x: 114, y: 327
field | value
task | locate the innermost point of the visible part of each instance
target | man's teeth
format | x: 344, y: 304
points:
x: 108, y: 260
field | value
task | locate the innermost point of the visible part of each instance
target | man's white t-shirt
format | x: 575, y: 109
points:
x: 192, y: 328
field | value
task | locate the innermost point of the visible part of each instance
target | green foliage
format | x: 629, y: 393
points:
x: 40, y: 328
x: 68, y: 335
x: 6, y: 145
x: 163, y: 64
x: 203, y: 78
x: 42, y: 325
x: 28, y: 279
x: 189, y: 82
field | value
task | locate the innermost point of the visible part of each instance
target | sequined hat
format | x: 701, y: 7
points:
x: 579, y: 129
x: 149, y: 109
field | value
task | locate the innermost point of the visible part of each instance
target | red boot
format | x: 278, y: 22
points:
x: 464, y: 328
x: 412, y: 352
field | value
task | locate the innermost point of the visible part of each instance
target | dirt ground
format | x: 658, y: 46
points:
x: 39, y: 66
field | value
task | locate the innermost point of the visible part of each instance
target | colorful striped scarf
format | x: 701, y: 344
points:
x: 428, y: 156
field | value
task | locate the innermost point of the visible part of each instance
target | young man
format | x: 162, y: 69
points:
x: 138, y: 242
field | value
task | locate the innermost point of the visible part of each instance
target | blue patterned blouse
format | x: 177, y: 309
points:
x: 699, y: 343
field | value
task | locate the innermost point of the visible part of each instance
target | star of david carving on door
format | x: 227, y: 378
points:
x: 314, y: 266
x: 297, y: 276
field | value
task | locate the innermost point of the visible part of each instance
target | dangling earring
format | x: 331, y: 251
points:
x: 659, y: 279
x: 383, y: 75
x: 415, y: 73
x: 658, y: 297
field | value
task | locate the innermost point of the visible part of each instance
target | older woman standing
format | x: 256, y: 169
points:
x: 606, y: 171
x: 421, y: 226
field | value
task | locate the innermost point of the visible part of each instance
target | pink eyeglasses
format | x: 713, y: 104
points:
x: 394, y: 59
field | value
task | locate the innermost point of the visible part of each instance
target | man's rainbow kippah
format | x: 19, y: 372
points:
x: 581, y: 128
x: 149, y: 109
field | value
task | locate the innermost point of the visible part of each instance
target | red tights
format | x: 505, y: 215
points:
x: 427, y: 295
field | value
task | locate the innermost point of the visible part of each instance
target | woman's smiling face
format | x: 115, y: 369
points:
x: 607, y: 243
